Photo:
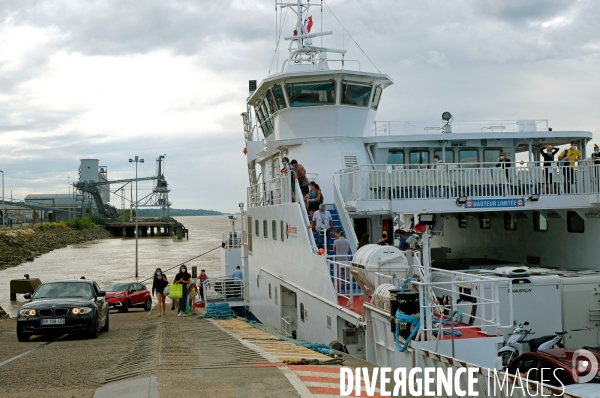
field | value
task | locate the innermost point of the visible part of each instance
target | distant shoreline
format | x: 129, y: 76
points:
x: 179, y: 212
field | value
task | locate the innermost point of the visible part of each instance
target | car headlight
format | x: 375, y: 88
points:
x: 118, y: 295
x: 27, y: 312
x: 81, y: 311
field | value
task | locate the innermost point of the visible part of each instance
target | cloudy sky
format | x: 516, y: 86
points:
x: 115, y: 79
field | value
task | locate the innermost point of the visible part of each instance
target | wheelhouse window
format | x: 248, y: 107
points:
x: 575, y: 223
x: 540, y: 224
x: 468, y: 157
x: 264, y: 118
x: 256, y: 225
x: 279, y: 97
x: 376, y: 97
x: 271, y: 105
x: 265, y: 229
x: 395, y: 157
x: 282, y: 231
x: 417, y: 158
x: 311, y: 94
x: 448, y: 154
x: 355, y: 93
x: 274, y: 226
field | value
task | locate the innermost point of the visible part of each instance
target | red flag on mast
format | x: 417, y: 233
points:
x: 308, y: 23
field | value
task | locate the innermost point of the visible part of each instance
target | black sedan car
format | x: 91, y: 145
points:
x: 70, y: 306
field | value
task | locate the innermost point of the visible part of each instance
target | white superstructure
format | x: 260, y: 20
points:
x: 377, y: 175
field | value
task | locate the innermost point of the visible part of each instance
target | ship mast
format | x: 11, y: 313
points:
x: 301, y: 49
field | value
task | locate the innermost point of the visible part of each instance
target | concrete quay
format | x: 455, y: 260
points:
x: 144, y: 355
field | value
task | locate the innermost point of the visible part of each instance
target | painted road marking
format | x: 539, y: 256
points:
x: 30, y: 351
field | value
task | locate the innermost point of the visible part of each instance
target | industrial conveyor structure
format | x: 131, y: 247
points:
x: 98, y: 187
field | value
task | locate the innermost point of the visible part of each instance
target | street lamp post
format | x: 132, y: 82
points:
x: 3, y: 202
x: 137, y: 232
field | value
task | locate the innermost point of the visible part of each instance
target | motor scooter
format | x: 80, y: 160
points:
x: 514, y: 346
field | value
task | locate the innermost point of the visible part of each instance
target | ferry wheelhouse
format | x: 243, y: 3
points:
x: 476, y: 215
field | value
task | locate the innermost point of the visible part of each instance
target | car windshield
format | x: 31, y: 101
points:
x: 117, y: 287
x: 64, y: 289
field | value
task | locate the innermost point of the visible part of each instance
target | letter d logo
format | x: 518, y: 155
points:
x: 586, y: 368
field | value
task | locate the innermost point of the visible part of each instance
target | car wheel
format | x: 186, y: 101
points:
x: 148, y: 305
x: 124, y: 307
x: 106, y: 323
x: 93, y: 334
x: 22, y: 337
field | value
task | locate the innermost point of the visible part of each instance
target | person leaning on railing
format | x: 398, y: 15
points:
x: 314, y: 198
x: 596, y: 159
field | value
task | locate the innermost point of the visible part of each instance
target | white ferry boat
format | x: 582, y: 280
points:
x: 494, y: 243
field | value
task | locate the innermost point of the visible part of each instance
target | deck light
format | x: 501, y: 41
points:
x: 461, y: 200
x: 426, y: 219
x: 535, y: 197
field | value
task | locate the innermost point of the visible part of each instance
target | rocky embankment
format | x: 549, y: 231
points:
x: 21, y: 245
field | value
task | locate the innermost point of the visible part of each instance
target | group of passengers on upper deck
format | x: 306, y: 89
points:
x: 568, y: 174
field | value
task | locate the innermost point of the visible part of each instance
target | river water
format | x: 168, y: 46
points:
x: 109, y: 260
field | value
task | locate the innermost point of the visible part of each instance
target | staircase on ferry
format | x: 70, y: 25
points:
x: 337, y: 225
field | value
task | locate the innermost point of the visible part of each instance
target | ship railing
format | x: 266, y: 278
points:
x: 231, y: 240
x: 275, y: 191
x: 454, y: 180
x: 345, y: 219
x: 383, y: 128
x: 343, y: 283
x: 490, y: 382
x: 286, y: 325
x: 223, y: 289
x: 309, y: 236
x: 481, y: 292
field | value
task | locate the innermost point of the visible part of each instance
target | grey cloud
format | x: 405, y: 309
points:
x: 519, y: 11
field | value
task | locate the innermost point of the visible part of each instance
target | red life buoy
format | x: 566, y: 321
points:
x: 420, y: 228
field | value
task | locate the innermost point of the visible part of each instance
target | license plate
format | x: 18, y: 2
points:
x: 60, y: 321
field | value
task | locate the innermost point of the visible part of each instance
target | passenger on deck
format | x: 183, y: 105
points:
x: 314, y: 198
x: 202, y: 279
x: 324, y: 224
x: 596, y: 159
x: 569, y: 157
x: 437, y: 161
x: 596, y: 154
x: 548, y: 159
x: 237, y: 273
x: 504, y: 162
x: 300, y: 176
x: 364, y: 240
x: 401, y: 236
x: 384, y: 240
x: 341, y: 246
x: 287, y: 168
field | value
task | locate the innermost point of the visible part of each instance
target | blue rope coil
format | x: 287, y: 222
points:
x: 217, y: 311
x: 416, y: 322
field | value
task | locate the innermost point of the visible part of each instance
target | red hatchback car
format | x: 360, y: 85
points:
x: 124, y: 295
